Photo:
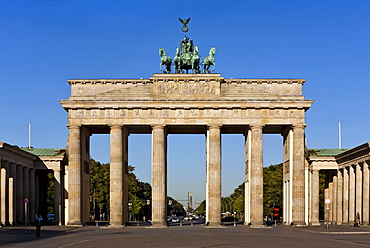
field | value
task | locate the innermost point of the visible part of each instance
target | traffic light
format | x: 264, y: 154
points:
x: 276, y: 213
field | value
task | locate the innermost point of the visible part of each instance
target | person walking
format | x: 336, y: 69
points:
x: 38, y: 220
x: 358, y: 219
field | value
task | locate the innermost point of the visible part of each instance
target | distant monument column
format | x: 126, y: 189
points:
x: 298, y: 182
x: 213, y: 200
x: 315, y: 198
x: 366, y: 189
x: 74, y: 176
x: 256, y: 176
x: 116, y: 176
x: 159, y: 176
x: 247, y: 178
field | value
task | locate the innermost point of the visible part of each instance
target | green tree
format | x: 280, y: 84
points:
x: 272, y: 187
x: 99, y: 187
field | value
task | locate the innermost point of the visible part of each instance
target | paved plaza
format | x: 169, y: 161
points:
x: 187, y: 236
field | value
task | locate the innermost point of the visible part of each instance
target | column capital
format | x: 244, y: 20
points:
x: 214, y: 126
x: 73, y: 126
x: 158, y: 126
x: 115, y: 126
x: 256, y: 126
x: 297, y: 126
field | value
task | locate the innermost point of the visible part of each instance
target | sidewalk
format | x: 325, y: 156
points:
x: 334, y: 229
x: 32, y: 229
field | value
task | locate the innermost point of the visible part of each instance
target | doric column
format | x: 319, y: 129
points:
x: 26, y: 190
x: 116, y: 176
x: 247, y: 179
x: 4, y: 187
x: 57, y: 197
x: 12, y: 193
x: 298, y: 187
x: 366, y: 192
x: 74, y: 180
x: 315, y: 198
x: 340, y: 197
x: 326, y: 210
x: 19, y: 195
x: 214, y: 176
x: 159, y: 176
x: 330, y: 196
x: 345, y: 195
x: 352, y: 195
x: 359, y: 195
x: 334, y: 199
x: 256, y: 176
x: 32, y: 196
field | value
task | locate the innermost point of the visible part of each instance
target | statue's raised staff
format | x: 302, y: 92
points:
x: 209, y: 60
x: 165, y: 60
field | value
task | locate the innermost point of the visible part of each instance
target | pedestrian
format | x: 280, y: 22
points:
x: 38, y: 220
x: 358, y: 219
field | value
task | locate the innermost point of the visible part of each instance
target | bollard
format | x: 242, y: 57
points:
x: 234, y: 222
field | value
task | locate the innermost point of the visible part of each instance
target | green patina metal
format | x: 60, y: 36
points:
x: 325, y: 152
x: 187, y: 56
x: 46, y: 151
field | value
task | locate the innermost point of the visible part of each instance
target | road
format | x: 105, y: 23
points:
x: 187, y: 236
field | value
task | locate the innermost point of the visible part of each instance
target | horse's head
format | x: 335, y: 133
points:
x: 161, y: 51
x: 212, y: 51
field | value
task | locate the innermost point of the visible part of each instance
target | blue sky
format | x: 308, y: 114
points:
x: 46, y: 42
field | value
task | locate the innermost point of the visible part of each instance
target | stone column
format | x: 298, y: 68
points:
x: 12, y: 194
x: 352, y: 195
x: 32, y: 199
x: 214, y: 176
x: 159, y: 176
x: 298, y: 187
x: 74, y: 180
x: 345, y: 195
x: 116, y: 176
x: 366, y: 192
x: 335, y: 199
x: 4, y: 181
x: 57, y: 197
x: 315, y: 198
x: 247, y: 200
x: 330, y: 196
x: 326, y: 211
x: 19, y: 195
x: 340, y: 197
x: 256, y: 176
x: 26, y: 191
x: 359, y: 194
x: 125, y: 212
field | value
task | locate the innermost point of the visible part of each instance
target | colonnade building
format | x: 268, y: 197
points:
x: 347, y: 184
x: 23, y: 183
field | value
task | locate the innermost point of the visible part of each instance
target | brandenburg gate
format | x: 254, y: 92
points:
x: 205, y: 104
x: 198, y: 103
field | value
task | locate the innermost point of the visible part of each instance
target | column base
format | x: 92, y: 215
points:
x: 116, y: 225
x: 298, y: 224
x: 159, y: 224
x: 257, y: 226
x: 214, y: 225
x: 74, y: 223
x: 315, y: 224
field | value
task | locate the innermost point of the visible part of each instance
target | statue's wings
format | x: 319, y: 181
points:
x: 184, y: 22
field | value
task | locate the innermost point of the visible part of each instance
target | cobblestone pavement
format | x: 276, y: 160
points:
x: 186, y: 236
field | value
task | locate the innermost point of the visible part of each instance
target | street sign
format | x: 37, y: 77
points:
x: 327, y: 200
x: 25, y: 200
